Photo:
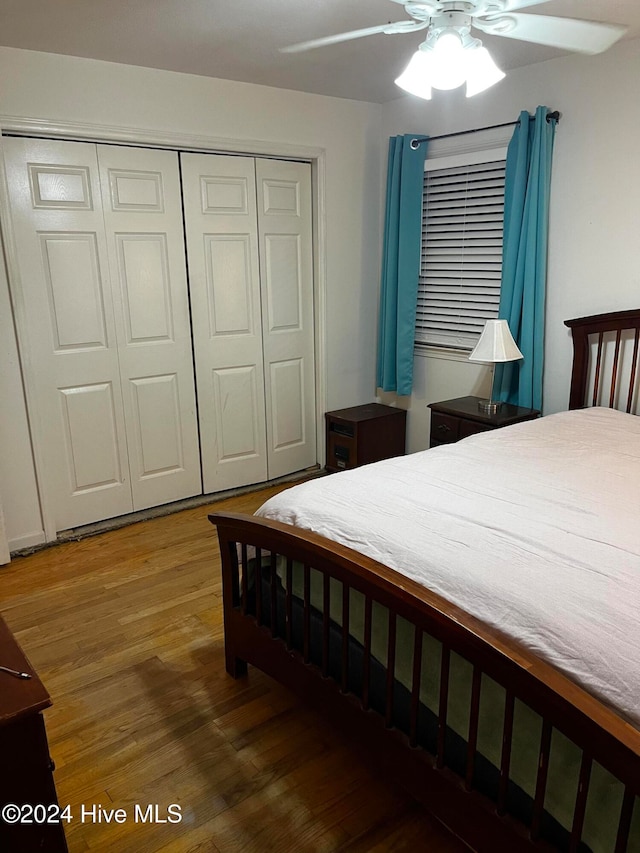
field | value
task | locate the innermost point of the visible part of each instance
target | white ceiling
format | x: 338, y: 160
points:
x: 239, y: 39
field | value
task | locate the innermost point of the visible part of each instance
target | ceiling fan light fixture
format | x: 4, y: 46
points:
x: 482, y: 72
x: 446, y: 60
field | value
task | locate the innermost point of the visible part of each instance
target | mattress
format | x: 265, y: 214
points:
x: 532, y: 528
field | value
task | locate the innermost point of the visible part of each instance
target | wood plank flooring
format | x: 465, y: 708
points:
x: 125, y: 630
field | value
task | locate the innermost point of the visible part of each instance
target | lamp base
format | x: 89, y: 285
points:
x: 489, y: 407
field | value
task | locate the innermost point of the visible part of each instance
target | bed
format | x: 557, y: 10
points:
x: 469, y: 614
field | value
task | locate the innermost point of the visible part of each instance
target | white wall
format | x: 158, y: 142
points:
x: 437, y: 376
x: 57, y: 89
x: 593, y: 246
x: 18, y: 492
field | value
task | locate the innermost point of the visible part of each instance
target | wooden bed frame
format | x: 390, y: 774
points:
x: 254, y: 635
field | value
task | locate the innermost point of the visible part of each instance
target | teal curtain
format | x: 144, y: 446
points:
x: 524, y: 256
x: 400, y: 264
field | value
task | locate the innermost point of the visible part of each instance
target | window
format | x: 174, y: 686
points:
x: 462, y: 219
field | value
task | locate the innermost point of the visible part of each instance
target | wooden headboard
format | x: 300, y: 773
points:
x: 605, y: 360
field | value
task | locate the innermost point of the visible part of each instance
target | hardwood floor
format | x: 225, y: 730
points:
x: 125, y: 630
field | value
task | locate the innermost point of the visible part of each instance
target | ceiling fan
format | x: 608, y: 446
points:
x: 451, y: 54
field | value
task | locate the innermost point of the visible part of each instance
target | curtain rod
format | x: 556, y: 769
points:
x: 551, y: 116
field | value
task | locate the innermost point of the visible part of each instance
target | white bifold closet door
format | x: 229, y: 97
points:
x: 286, y: 275
x: 249, y: 248
x: 107, y: 345
x: 142, y: 202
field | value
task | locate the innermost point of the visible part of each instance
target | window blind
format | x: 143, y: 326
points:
x: 459, y: 283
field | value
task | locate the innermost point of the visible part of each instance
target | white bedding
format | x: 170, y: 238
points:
x: 535, y: 529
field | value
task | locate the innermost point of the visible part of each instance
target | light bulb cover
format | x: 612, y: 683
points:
x: 449, y: 66
x: 416, y: 78
x: 482, y: 72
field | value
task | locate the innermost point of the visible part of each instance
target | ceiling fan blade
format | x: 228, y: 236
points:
x: 398, y: 27
x: 434, y: 6
x: 565, y: 33
x: 521, y: 4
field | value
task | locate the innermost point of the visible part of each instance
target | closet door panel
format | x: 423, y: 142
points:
x: 89, y: 419
x: 74, y: 290
x: 142, y: 270
x: 286, y: 381
x: 222, y: 249
x: 70, y: 346
x: 157, y: 433
x: 143, y: 219
x: 285, y: 240
x: 237, y: 393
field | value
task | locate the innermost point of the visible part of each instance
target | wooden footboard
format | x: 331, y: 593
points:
x: 259, y: 631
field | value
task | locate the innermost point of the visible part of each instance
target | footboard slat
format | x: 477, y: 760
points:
x: 505, y: 761
x: 245, y: 580
x: 306, y: 641
x: 326, y: 610
x: 258, y: 565
x: 391, y: 670
x: 443, y: 703
x: 541, y: 780
x: 581, y: 802
x: 415, y: 689
x: 393, y: 704
x: 366, y: 663
x: 474, y: 716
x: 345, y: 638
x: 624, y: 825
x: 289, y: 604
x: 273, y: 613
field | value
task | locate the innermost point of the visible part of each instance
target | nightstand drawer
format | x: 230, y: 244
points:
x: 444, y: 428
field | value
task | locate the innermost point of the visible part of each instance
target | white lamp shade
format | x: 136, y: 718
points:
x: 496, y: 344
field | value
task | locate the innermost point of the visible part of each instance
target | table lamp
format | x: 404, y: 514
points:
x: 495, y: 345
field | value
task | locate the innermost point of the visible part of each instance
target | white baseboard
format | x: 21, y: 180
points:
x: 27, y: 541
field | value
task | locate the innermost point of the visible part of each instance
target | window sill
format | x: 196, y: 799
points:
x: 444, y: 353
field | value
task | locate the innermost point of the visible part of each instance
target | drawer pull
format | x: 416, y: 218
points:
x: 443, y: 428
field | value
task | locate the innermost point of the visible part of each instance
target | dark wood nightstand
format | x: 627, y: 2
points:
x: 27, y: 769
x: 452, y: 420
x: 364, y: 434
